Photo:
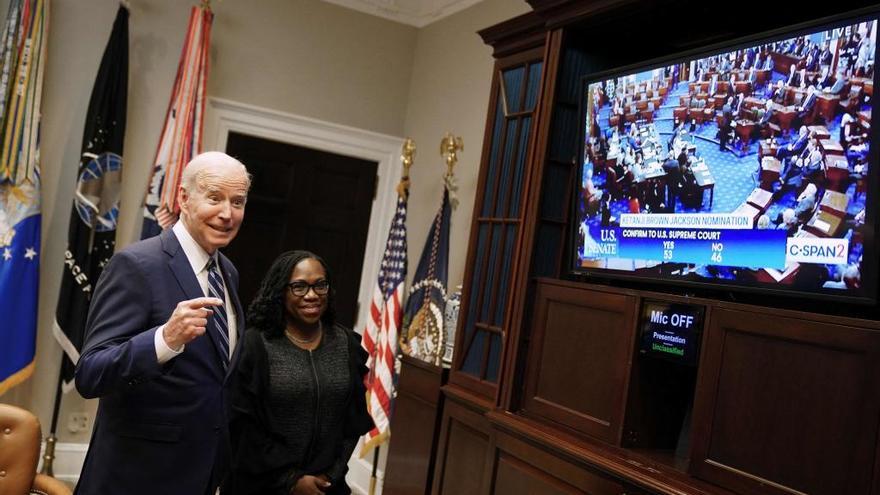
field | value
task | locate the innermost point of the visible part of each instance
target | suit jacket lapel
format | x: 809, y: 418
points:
x: 180, y: 266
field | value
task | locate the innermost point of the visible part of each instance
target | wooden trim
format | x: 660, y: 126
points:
x: 467, y: 285
x: 528, y: 212
x: 473, y: 384
x: 617, y: 462
x: 478, y: 403
x: 557, y: 13
x: 719, y: 305
x: 514, y: 35
x: 462, y: 344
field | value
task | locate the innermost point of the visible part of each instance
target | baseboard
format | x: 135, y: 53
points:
x: 359, y: 473
x: 69, y: 459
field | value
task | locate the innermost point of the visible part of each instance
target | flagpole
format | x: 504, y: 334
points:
x: 51, y: 439
x: 373, y: 475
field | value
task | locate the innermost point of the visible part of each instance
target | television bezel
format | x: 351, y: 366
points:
x: 869, y: 284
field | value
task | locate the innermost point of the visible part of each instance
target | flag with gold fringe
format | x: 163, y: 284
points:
x: 23, y: 56
x: 383, y: 323
x: 181, y: 137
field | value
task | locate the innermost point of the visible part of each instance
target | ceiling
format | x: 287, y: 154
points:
x: 418, y: 13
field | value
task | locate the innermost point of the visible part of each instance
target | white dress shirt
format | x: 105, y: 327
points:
x: 198, y: 259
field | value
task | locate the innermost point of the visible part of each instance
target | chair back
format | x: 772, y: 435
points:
x: 19, y: 449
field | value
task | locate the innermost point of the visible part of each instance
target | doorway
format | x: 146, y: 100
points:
x: 303, y: 198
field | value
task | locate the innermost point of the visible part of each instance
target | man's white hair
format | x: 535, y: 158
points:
x: 212, y: 160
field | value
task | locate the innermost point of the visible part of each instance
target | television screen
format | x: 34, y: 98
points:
x: 750, y: 167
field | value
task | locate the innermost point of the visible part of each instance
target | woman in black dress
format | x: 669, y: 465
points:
x: 298, y: 399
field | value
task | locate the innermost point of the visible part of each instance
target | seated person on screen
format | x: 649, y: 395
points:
x: 813, y: 166
x: 806, y: 203
x: 806, y: 108
x: 788, y: 222
x: 850, y: 278
x: 796, y: 146
x: 793, y: 79
x: 794, y: 167
x: 778, y: 95
x: 764, y: 121
x: 824, y: 79
x: 837, y: 87
x: 592, y: 197
x: 763, y: 222
x: 691, y: 194
x: 850, y: 131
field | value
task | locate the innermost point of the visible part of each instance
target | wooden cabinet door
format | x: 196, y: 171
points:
x: 579, y: 359
x: 787, y: 405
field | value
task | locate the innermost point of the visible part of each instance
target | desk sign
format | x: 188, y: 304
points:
x: 671, y: 331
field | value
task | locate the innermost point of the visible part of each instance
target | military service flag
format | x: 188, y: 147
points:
x: 181, y: 137
x: 92, y: 231
x: 23, y: 56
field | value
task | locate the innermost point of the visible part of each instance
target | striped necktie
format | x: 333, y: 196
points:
x: 221, y: 322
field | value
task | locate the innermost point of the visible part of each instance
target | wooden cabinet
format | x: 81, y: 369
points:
x: 548, y: 392
x: 416, y: 424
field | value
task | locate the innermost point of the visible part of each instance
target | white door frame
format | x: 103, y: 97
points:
x: 225, y: 116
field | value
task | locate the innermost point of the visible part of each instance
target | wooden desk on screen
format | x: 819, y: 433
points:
x: 749, y: 211
x: 865, y: 118
x: 782, y: 62
x: 820, y: 131
x: 831, y: 147
x: 744, y: 130
x: 837, y: 172
x: 767, y: 148
x: 824, y: 224
x: 704, y: 180
x: 827, y: 105
x: 760, y: 199
x: 784, y: 116
x: 834, y: 203
x: 865, y: 82
x: 771, y: 167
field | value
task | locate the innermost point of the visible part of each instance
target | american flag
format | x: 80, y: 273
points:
x: 380, y: 336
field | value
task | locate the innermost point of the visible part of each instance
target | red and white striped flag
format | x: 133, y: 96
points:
x: 381, y: 335
x: 181, y: 137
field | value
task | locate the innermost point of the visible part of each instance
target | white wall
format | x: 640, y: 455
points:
x: 303, y: 57
x: 449, y: 92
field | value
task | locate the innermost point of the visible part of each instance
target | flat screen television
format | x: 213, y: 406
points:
x: 748, y: 166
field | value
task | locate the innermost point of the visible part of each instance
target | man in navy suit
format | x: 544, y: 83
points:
x: 809, y: 102
x: 160, y: 344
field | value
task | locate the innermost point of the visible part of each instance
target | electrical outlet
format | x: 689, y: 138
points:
x: 77, y: 422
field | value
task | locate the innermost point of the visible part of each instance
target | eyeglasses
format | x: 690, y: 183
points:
x: 300, y: 289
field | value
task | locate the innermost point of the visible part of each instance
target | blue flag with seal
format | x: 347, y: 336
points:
x: 422, y: 335
x: 23, y: 53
